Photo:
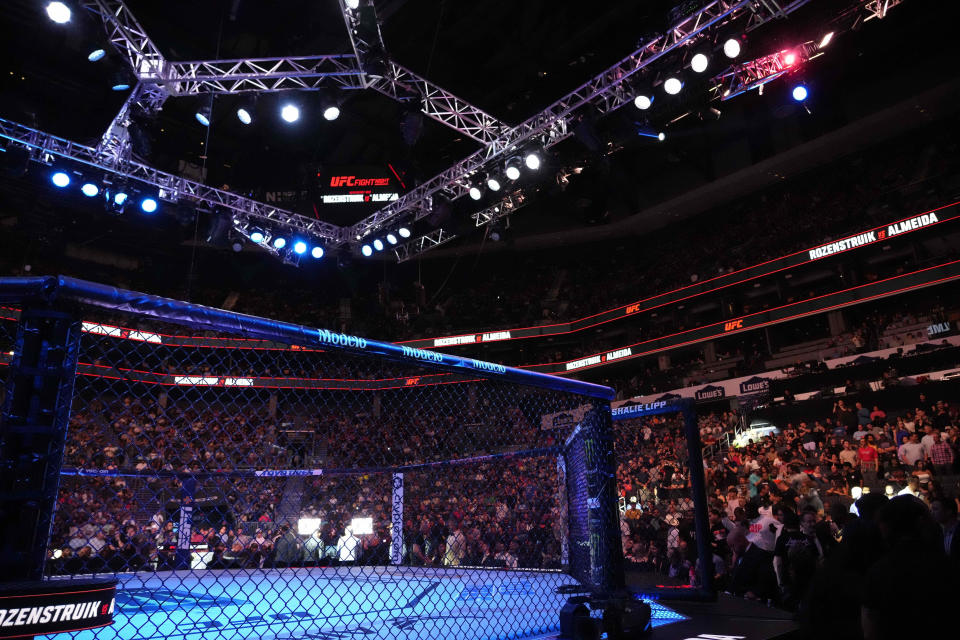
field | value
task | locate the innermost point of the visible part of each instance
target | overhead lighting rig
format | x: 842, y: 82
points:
x: 158, y: 79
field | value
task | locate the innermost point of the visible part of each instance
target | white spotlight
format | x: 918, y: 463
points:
x: 244, y: 116
x: 404, y: 232
x: 672, y: 86
x: 366, y: 250
x: 493, y: 183
x: 532, y: 161
x: 699, y: 62
x: 331, y: 113
x: 731, y: 48
x: 378, y: 244
x: 642, y: 102
x: 475, y: 193
x: 317, y: 252
x: 661, y: 136
x: 392, y: 239
x: 59, y: 12
x: 826, y: 40
x: 513, y: 172
x: 290, y: 112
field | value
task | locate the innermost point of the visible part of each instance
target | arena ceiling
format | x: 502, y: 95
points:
x: 509, y: 58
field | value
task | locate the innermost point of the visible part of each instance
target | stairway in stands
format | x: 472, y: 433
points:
x: 292, y: 502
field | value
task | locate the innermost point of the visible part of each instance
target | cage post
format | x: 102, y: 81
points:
x: 601, y: 478
x: 698, y: 486
x: 188, y: 487
x: 396, y: 520
x: 33, y: 427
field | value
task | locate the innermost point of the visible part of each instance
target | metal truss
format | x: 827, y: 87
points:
x: 602, y: 94
x: 172, y: 188
x: 879, y: 8
x: 128, y: 36
x: 422, y: 244
x: 499, y: 210
x: 756, y: 73
x: 114, y: 146
x: 264, y: 74
x: 402, y: 84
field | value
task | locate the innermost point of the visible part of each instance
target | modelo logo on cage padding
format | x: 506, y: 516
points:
x: 340, y: 339
x: 488, y: 366
x: 421, y: 354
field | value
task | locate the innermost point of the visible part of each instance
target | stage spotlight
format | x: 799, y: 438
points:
x: 731, y: 48
x: 205, y: 110
x: 148, y: 204
x: 60, y: 179
x: 331, y: 113
x: 493, y: 184
x: 279, y: 242
x: 513, y: 169
x: 790, y: 59
x: 532, y: 161
x: 475, y: 192
x: 59, y: 12
x: 378, y: 244
x: 96, y: 54
x: 120, y: 198
x: 366, y: 250
x: 290, y: 113
x: 257, y: 236
x: 404, y: 232
x: 825, y: 41
x: 244, y: 116
x: 317, y: 252
x: 643, y: 102
x: 699, y: 62
x: 299, y: 247
x: 89, y: 189
x: 120, y: 82
x: 800, y: 93
x: 672, y: 85
x: 391, y: 238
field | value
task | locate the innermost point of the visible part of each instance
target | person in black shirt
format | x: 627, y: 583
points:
x: 796, y: 556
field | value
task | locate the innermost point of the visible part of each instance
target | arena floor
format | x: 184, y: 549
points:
x: 339, y: 603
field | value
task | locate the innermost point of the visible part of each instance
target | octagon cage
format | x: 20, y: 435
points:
x: 242, y: 477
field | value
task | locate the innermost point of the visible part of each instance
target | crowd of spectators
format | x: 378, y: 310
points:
x: 783, y: 509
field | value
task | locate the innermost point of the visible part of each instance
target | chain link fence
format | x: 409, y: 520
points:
x: 246, y: 487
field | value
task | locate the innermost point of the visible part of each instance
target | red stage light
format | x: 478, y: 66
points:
x: 790, y: 58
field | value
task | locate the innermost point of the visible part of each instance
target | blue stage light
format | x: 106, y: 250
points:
x: 89, y: 189
x: 404, y: 232
x: 257, y: 236
x: 120, y: 198
x: 300, y: 247
x: 96, y: 54
x: 800, y: 93
x: 378, y: 244
x: 317, y: 252
x: 148, y: 205
x: 392, y: 239
x: 366, y: 250
x: 244, y: 116
x: 60, y: 179
x: 279, y: 243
